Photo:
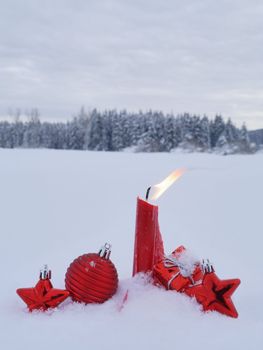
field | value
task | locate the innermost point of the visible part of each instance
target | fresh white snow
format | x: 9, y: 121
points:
x: 57, y: 205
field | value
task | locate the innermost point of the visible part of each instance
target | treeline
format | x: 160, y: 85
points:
x: 256, y: 136
x: 114, y: 131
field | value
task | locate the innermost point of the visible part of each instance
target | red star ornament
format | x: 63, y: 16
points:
x: 215, y: 294
x: 43, y: 296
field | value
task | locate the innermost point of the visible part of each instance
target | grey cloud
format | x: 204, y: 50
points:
x: 198, y: 56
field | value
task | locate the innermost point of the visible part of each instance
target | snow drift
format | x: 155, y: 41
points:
x: 57, y: 205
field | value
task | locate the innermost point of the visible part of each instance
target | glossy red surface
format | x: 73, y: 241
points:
x: 148, y: 246
x: 43, y: 296
x: 91, y: 279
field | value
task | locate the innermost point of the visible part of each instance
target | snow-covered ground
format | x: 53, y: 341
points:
x: 57, y: 205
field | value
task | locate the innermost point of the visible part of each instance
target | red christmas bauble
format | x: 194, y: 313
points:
x: 92, y: 278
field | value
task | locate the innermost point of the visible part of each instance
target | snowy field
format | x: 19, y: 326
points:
x: 57, y: 205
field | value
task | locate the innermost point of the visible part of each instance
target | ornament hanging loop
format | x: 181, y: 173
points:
x: 207, y: 266
x: 45, y: 273
x: 105, y: 251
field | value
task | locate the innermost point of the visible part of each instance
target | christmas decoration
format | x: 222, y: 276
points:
x: 148, y: 247
x: 215, y: 294
x: 184, y: 274
x: 92, y: 278
x: 177, y: 271
x: 43, y: 296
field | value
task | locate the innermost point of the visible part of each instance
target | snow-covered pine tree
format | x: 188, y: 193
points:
x: 244, y: 142
x: 217, y: 127
x: 230, y: 132
x: 204, y: 140
x: 160, y: 132
x: 5, y: 135
x: 94, y: 132
x: 127, y: 137
x: 134, y: 124
x: 117, y: 140
x: 32, y: 134
x: 112, y: 130
x: 106, y: 141
x: 76, y: 133
x: 47, y: 135
x: 222, y: 143
x: 170, y: 131
x: 18, y: 131
x: 187, y: 131
x: 153, y: 138
x: 197, y: 138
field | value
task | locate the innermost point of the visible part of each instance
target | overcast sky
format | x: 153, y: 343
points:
x: 200, y: 56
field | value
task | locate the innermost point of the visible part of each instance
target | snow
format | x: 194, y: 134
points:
x: 57, y: 205
x: 185, y: 260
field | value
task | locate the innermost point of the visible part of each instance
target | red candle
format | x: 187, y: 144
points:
x: 148, y: 247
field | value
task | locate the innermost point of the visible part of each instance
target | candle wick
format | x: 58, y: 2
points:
x: 147, y: 193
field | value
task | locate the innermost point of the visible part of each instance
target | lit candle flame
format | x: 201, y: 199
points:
x: 159, y: 189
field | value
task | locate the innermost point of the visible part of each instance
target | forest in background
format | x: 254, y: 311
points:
x: 113, y: 130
